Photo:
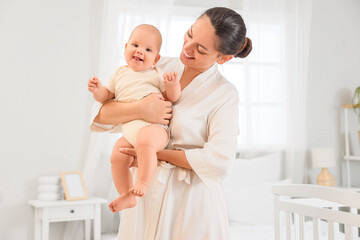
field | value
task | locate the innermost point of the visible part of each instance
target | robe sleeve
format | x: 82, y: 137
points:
x: 212, y: 162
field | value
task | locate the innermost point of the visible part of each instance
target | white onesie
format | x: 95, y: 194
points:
x: 129, y: 85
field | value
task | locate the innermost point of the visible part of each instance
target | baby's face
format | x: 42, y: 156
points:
x: 142, y: 49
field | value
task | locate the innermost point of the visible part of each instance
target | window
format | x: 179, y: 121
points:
x: 258, y: 78
x: 260, y: 83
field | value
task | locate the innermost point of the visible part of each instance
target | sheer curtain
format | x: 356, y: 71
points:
x: 120, y: 17
x: 297, y: 26
x: 271, y: 82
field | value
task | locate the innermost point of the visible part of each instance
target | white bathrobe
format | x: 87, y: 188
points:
x: 182, y: 204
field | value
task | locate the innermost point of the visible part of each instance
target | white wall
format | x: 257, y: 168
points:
x: 48, y: 49
x: 334, y: 74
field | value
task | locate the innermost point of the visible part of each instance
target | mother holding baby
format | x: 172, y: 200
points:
x: 185, y: 200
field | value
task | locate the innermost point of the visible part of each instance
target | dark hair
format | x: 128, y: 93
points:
x: 231, y: 31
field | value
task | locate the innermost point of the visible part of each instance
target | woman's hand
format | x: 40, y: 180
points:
x: 155, y: 109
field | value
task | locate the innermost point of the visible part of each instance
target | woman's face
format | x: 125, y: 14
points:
x: 199, y: 49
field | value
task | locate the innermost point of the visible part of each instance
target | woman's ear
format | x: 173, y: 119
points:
x: 224, y: 59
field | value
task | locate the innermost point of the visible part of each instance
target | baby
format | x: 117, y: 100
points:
x: 133, y: 82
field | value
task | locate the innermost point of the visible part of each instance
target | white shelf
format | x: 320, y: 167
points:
x: 352, y: 157
x: 348, y: 157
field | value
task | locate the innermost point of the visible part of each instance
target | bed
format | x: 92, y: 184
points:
x: 249, y: 195
x: 304, y: 211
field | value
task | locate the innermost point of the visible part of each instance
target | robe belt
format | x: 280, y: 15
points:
x: 183, y: 174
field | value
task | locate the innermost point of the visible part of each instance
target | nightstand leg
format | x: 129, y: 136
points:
x: 37, y: 222
x: 87, y: 228
x: 45, y: 230
x: 97, y: 222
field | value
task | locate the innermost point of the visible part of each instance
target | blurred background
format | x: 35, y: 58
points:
x: 303, y: 68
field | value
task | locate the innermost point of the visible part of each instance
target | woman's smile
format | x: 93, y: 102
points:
x: 187, y: 56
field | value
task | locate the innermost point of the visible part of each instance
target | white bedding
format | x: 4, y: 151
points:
x: 249, y: 232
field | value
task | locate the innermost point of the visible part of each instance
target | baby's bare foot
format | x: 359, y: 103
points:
x: 127, y: 200
x: 139, y: 189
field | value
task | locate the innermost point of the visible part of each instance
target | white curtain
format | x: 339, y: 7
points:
x: 272, y: 81
x: 120, y: 17
x: 297, y: 25
x: 273, y: 102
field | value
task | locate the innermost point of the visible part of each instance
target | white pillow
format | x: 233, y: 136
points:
x: 255, y: 170
x: 251, y: 204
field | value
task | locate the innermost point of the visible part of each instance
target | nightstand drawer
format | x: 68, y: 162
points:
x: 77, y: 211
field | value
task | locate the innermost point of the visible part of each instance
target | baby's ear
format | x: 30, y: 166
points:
x: 156, y: 59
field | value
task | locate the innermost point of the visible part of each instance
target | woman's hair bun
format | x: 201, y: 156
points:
x: 245, y: 49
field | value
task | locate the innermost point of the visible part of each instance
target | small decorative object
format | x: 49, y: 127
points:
x: 356, y: 106
x: 73, y: 184
x: 49, y: 188
x: 324, y: 158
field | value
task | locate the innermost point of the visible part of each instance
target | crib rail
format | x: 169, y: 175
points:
x: 316, y: 202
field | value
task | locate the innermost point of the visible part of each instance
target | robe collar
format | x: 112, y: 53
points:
x: 199, y: 79
x: 205, y: 75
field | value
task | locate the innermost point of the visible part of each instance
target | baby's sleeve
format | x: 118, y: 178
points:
x: 161, y: 80
x: 162, y: 85
x: 111, y: 83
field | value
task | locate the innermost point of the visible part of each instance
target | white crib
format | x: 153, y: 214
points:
x: 296, y: 203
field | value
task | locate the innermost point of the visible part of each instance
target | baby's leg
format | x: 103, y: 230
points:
x: 122, y: 177
x: 150, y: 140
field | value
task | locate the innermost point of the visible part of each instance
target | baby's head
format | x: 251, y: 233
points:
x: 142, y: 49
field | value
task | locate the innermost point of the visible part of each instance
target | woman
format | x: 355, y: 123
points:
x: 185, y: 199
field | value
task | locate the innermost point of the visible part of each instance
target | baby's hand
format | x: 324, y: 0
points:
x: 94, y: 84
x: 171, y: 78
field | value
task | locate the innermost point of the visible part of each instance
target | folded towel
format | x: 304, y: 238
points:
x: 49, y: 188
x: 49, y: 180
x: 49, y: 196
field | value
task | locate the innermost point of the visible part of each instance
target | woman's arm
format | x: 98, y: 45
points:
x: 213, y: 161
x: 175, y: 157
x: 152, y: 109
x: 118, y: 112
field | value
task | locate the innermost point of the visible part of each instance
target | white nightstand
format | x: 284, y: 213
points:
x: 47, y: 212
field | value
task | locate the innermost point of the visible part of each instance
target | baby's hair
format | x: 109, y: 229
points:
x: 153, y: 29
